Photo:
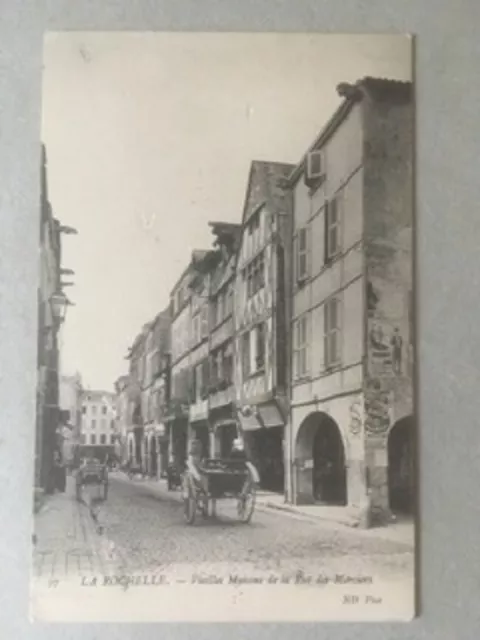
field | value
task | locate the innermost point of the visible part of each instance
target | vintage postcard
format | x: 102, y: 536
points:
x: 225, y: 392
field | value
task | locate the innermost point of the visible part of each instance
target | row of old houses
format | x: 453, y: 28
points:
x: 53, y: 417
x: 294, y: 331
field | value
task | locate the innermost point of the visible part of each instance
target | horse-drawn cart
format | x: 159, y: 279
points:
x: 218, y: 479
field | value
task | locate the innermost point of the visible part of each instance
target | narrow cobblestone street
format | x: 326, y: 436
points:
x: 140, y: 531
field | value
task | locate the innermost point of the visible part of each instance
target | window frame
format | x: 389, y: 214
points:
x: 246, y: 356
x: 319, y: 155
x: 301, y: 347
x: 301, y: 277
x: 260, y: 330
x: 330, y: 254
x: 332, y: 331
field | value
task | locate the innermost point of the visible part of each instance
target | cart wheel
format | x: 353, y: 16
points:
x: 189, y: 502
x: 246, y: 504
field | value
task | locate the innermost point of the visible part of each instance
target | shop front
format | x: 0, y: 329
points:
x: 161, y: 450
x: 177, y: 445
x: 225, y: 431
x: 263, y: 429
x: 199, y: 431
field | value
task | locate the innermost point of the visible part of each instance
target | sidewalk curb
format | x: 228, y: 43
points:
x: 286, y: 508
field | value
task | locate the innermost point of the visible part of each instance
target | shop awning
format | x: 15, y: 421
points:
x: 230, y: 422
x: 249, y: 422
x: 270, y: 416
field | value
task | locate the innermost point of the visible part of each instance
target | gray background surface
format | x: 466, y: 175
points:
x: 448, y: 237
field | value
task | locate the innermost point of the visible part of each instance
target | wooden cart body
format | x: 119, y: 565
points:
x: 219, y: 479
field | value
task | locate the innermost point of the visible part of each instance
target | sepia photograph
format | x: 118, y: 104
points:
x: 226, y: 418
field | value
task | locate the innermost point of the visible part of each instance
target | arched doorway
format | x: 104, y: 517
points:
x: 401, y: 466
x: 320, y: 461
x: 153, y: 455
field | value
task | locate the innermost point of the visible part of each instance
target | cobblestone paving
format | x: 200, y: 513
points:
x: 142, y: 532
x: 146, y: 532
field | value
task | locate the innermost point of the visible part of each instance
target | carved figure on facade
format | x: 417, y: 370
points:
x: 356, y: 417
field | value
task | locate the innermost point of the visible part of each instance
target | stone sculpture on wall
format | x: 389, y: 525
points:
x: 356, y: 417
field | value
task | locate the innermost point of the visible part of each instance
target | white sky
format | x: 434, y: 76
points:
x: 150, y: 135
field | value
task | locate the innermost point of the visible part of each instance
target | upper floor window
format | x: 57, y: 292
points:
x: 254, y: 222
x: 260, y: 346
x: 254, y: 275
x: 93, y: 424
x: 94, y: 409
x: 112, y: 424
x: 229, y: 304
x: 300, y: 347
x: 93, y: 439
x: 220, y: 308
x: 332, y: 228
x: 84, y: 409
x: 315, y: 172
x: 103, y: 439
x: 246, y: 364
x: 104, y: 409
x: 204, y: 322
x: 221, y: 365
x: 332, y: 332
x: 302, y: 254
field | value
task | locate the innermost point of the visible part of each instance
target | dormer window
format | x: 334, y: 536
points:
x: 315, y: 169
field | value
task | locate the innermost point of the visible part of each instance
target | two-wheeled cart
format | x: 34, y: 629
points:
x: 219, y: 479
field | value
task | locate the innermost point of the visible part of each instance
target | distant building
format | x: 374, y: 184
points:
x: 70, y: 393
x: 260, y: 315
x: 136, y: 402
x: 122, y: 405
x: 155, y: 393
x: 98, y: 420
x: 351, y: 402
x: 189, y: 356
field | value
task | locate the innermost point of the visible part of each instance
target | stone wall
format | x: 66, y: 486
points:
x: 388, y: 221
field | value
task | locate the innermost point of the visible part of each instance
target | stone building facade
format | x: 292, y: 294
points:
x: 155, y: 394
x: 98, y: 421
x: 221, y: 390
x: 260, y: 316
x: 122, y: 406
x: 352, y: 302
x: 180, y: 366
x: 47, y: 413
x: 136, y: 402
x: 70, y: 402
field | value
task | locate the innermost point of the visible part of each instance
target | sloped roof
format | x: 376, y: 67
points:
x: 378, y: 89
x: 266, y: 185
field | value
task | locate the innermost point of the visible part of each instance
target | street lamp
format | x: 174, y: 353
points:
x: 59, y: 304
x: 69, y: 231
